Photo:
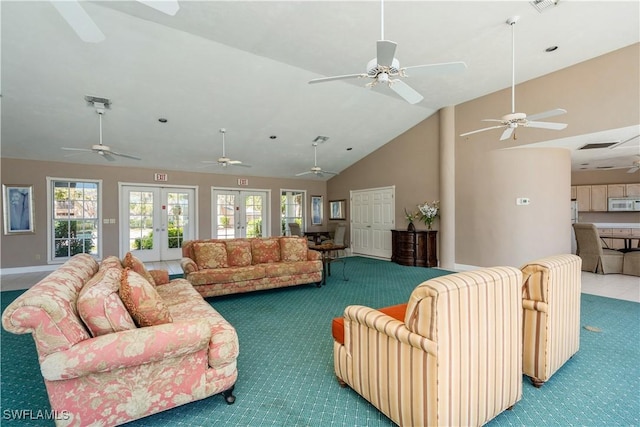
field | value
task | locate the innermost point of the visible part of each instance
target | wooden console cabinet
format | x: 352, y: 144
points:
x: 414, y: 248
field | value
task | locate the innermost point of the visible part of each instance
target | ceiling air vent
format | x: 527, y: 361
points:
x: 597, y: 145
x: 542, y: 5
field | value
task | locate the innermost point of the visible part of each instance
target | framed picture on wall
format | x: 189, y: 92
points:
x: 17, y: 201
x: 337, y: 209
x: 316, y: 210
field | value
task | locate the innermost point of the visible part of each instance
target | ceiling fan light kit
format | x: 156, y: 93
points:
x: 315, y: 169
x: 385, y: 69
x: 100, y: 105
x: 510, y: 122
x: 225, y: 161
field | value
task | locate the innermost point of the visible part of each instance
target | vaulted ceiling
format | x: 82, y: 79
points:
x: 245, y: 66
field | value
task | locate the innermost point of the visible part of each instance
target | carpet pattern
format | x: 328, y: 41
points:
x: 286, y: 373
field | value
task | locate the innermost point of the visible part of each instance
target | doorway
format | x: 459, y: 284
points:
x: 372, y: 219
x: 236, y: 213
x: 154, y: 221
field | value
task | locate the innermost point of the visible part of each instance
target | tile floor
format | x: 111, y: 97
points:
x: 616, y: 286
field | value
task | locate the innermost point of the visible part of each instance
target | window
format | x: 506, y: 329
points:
x: 74, y: 212
x: 292, y: 209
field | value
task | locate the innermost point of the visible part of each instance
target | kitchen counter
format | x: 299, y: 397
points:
x: 617, y: 225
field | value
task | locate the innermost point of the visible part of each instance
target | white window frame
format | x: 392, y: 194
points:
x: 283, y: 192
x: 50, y: 218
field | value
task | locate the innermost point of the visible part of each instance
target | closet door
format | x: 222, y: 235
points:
x: 372, y: 219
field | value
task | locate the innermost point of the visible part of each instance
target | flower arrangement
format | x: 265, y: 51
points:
x: 410, y: 216
x: 428, y: 212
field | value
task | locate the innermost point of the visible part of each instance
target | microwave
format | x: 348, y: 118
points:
x: 629, y: 204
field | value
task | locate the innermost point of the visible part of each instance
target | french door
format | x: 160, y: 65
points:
x: 239, y: 214
x: 154, y: 221
x: 372, y: 218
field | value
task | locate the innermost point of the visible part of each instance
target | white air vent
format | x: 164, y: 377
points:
x: 542, y: 5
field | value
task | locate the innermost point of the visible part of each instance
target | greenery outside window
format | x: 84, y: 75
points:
x: 74, y: 212
x: 292, y: 209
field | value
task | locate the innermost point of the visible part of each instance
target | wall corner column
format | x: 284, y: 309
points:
x: 447, y: 188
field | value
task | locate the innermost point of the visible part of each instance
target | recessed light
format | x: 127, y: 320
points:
x: 551, y: 48
x: 272, y: 137
x: 162, y: 120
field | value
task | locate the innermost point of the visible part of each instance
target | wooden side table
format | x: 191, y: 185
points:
x: 414, y: 248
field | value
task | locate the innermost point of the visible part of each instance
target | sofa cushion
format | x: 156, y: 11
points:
x: 293, y: 248
x: 136, y: 265
x: 238, y: 253
x: 111, y: 262
x: 279, y: 269
x: 265, y: 250
x: 99, y: 305
x: 211, y: 255
x: 227, y: 275
x: 395, y: 311
x: 142, y: 300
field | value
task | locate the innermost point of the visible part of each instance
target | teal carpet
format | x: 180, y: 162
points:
x: 286, y: 361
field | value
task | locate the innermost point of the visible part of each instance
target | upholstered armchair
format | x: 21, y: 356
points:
x: 551, y: 303
x: 451, y: 356
x: 595, y: 258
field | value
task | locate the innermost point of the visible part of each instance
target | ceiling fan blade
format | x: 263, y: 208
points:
x: 385, y: 52
x: 482, y: 130
x: 507, y: 133
x: 107, y: 156
x: 128, y: 156
x: 238, y: 163
x: 546, y: 125
x: 617, y: 144
x: 75, y: 149
x: 328, y: 79
x: 544, y: 115
x: 329, y: 172
x: 494, y: 120
x: 170, y: 7
x: 79, y: 21
x: 633, y: 169
x: 405, y: 91
x: 430, y: 69
x: 304, y: 173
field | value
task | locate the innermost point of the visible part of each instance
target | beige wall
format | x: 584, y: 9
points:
x: 31, y: 249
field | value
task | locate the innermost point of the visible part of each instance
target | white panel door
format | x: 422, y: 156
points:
x: 372, y: 219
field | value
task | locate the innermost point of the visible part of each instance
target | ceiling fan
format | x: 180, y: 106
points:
x: 513, y: 120
x: 224, y: 161
x: 103, y: 150
x: 316, y: 170
x: 384, y: 66
x: 86, y: 28
x: 635, y: 167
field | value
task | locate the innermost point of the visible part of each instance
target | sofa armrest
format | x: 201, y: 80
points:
x: 127, y: 348
x: 160, y: 277
x: 188, y: 265
x: 370, y: 318
x: 313, y: 255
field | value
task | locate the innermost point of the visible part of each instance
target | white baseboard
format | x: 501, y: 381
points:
x: 465, y: 267
x: 32, y: 269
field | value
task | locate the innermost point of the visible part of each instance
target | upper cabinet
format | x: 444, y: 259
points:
x: 595, y: 198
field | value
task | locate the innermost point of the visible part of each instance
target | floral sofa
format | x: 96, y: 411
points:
x: 227, y: 266
x: 117, y: 344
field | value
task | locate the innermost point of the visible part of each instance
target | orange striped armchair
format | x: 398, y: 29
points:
x: 453, y: 358
x: 551, y: 303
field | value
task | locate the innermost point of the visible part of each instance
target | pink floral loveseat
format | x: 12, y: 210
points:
x: 228, y: 266
x: 116, y: 344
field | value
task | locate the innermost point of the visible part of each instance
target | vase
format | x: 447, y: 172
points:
x: 411, y: 227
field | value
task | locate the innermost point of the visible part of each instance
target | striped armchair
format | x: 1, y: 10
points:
x: 453, y: 358
x: 551, y: 304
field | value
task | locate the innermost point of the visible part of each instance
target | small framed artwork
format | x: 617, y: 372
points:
x: 17, y: 201
x: 316, y: 210
x: 337, y: 209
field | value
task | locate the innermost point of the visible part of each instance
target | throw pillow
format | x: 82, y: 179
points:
x: 293, y: 248
x: 239, y: 253
x: 142, y: 300
x: 136, y: 265
x: 99, y: 305
x: 265, y: 250
x: 211, y: 255
x: 110, y: 262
